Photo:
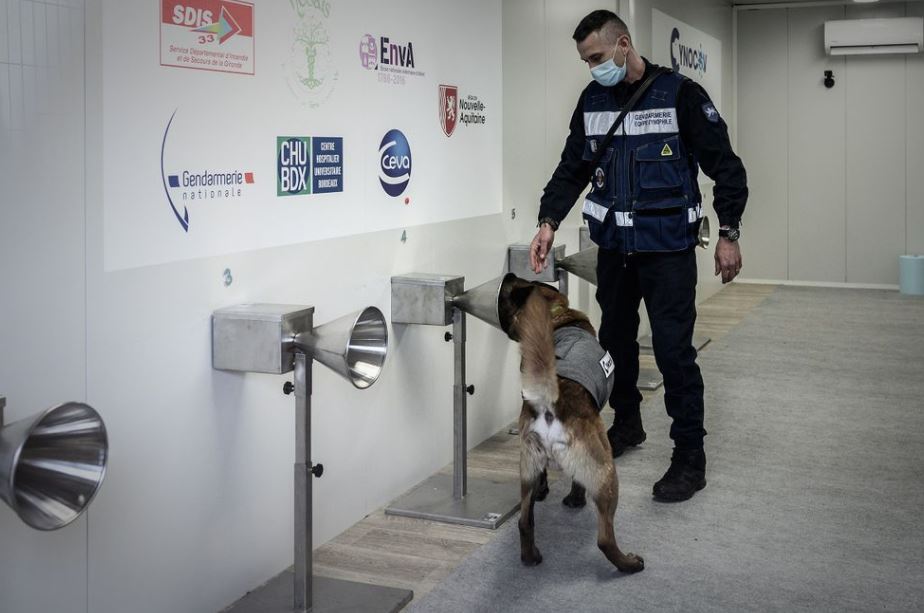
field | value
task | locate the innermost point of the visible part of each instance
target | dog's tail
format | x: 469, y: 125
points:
x: 534, y: 329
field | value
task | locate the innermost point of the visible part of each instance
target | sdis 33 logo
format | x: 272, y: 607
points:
x: 207, y: 35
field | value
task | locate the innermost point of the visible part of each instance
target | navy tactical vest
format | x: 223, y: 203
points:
x: 644, y: 194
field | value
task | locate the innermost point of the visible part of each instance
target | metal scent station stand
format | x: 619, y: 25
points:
x: 277, y: 339
x: 52, y: 464
x: 582, y: 264
x: 439, y: 300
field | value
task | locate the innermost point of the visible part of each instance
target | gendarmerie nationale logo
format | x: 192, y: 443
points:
x: 184, y: 187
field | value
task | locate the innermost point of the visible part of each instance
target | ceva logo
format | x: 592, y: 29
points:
x: 686, y: 57
x: 395, y: 163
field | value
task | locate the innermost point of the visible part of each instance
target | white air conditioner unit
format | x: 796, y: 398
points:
x: 873, y: 36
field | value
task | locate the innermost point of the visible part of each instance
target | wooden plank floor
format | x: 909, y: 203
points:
x: 417, y: 554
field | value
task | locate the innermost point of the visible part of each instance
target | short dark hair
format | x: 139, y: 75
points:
x: 597, y: 21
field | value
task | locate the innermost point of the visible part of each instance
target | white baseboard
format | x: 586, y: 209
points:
x: 842, y: 285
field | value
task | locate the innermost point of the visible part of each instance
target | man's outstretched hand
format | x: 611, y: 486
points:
x: 540, y: 247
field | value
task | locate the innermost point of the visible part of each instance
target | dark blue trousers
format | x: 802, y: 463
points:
x: 667, y: 283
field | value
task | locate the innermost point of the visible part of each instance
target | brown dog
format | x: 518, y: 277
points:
x: 559, y: 420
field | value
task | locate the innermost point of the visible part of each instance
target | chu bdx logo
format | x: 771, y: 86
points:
x: 309, y: 165
x: 395, y: 163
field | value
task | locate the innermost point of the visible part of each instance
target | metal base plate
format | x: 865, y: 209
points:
x: 487, y: 505
x: 328, y: 596
x: 699, y: 342
x: 649, y: 379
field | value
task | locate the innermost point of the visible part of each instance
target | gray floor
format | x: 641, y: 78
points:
x: 816, y: 481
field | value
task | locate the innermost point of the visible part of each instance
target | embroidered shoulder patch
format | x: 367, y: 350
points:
x: 710, y: 112
x: 606, y: 363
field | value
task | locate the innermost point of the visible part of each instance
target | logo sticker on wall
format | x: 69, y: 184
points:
x: 309, y: 67
x: 683, y: 56
x: 393, y: 61
x: 308, y: 165
x: 472, y: 109
x: 215, y: 35
x: 200, y: 184
x: 449, y: 108
x: 394, y: 163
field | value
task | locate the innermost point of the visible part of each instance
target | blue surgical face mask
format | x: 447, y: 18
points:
x: 608, y: 73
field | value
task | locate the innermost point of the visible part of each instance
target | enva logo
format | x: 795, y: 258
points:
x: 686, y: 57
x: 395, y: 163
x: 199, y: 185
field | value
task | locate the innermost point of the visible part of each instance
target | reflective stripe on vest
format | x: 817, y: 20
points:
x: 624, y: 219
x: 636, y: 123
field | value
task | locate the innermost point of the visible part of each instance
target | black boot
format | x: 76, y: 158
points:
x: 685, y: 477
x: 626, y: 432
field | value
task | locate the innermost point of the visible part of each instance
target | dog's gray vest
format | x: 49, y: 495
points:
x: 579, y: 357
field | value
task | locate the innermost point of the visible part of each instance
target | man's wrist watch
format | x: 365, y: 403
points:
x: 552, y: 223
x: 730, y: 233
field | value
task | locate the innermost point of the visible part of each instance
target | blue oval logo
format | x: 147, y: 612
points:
x: 394, y: 163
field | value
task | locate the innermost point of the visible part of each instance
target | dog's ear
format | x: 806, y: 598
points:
x: 546, y: 289
x: 551, y: 294
x: 518, y: 295
x: 509, y: 306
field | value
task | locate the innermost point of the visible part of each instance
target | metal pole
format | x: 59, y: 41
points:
x: 2, y: 405
x: 303, y: 477
x: 459, y: 409
x: 562, y: 281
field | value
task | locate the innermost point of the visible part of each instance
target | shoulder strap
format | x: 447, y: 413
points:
x: 657, y: 72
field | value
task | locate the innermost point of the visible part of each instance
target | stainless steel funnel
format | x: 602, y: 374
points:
x: 354, y: 346
x: 705, y: 235
x: 52, y: 464
x: 482, y: 301
x: 582, y: 264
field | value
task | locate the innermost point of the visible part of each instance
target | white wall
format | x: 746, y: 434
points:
x: 836, y: 188
x: 196, y: 508
x: 42, y: 278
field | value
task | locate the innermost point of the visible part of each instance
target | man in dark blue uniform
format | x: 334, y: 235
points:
x: 644, y: 211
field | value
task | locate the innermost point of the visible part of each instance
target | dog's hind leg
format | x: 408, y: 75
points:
x: 605, y: 500
x: 533, y: 461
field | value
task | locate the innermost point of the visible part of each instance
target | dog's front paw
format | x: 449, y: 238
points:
x: 533, y: 558
x: 631, y: 563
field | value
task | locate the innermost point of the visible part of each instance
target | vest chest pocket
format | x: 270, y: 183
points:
x: 658, y: 168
